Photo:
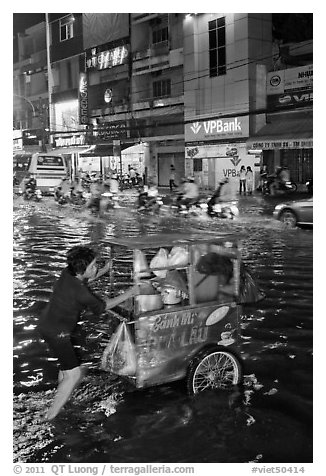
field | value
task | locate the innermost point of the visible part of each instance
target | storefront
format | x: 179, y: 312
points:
x: 216, y: 149
x: 168, y: 155
x: 287, y: 140
x: 70, y: 146
x: 113, y: 157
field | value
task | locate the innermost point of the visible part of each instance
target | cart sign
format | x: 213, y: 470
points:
x: 166, y: 341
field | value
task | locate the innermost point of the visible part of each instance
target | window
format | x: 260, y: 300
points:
x: 161, y: 35
x: 217, y: 47
x: 162, y: 88
x: 66, y: 28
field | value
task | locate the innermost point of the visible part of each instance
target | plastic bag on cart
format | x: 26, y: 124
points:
x: 119, y: 356
x: 160, y: 260
x: 141, y: 266
x: 178, y: 256
x: 249, y: 290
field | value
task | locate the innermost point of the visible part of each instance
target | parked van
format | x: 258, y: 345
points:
x: 48, y: 170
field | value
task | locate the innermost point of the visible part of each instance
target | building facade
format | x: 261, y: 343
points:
x: 204, y: 92
x: 225, y: 61
x: 30, y: 91
x: 287, y: 137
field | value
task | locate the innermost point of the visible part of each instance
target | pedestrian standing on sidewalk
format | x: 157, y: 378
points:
x: 172, y: 177
x: 242, y: 177
x: 262, y: 176
x: 249, y: 180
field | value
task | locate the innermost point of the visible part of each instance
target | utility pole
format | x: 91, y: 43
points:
x: 43, y: 118
x: 50, y: 82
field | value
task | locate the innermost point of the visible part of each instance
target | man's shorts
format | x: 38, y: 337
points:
x: 65, y: 347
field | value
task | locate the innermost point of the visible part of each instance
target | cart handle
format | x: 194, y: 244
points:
x: 122, y: 319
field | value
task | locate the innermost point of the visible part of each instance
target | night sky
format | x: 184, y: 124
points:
x: 21, y: 21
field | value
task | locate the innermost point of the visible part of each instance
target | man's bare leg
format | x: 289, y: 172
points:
x: 68, y: 381
x: 60, y: 376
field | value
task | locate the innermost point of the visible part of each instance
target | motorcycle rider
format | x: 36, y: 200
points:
x: 190, y: 192
x: 110, y: 187
x: 222, y: 194
x: 96, y: 190
x: 132, y: 175
x: 148, y: 195
x: 77, y: 191
x: 30, y: 187
x: 63, y: 190
x: 282, y: 175
x: 114, y: 184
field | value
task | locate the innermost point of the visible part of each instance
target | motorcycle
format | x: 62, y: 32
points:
x: 223, y: 210
x: 105, y: 202
x: 72, y: 199
x: 282, y: 187
x: 32, y: 195
x: 149, y: 204
x: 125, y: 183
x: 110, y: 200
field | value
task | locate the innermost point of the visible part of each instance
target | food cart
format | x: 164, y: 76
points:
x: 186, y: 328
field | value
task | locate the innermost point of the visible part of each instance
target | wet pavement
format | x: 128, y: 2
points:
x: 268, y: 420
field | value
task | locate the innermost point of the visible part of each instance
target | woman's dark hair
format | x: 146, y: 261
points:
x: 78, y: 258
x: 214, y: 264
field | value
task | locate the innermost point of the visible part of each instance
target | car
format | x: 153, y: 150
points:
x: 295, y: 213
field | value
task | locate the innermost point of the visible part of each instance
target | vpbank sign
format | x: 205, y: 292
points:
x: 229, y: 128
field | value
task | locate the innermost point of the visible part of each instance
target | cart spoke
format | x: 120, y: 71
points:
x: 217, y: 370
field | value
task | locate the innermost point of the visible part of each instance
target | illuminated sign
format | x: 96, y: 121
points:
x: 17, y: 140
x: 291, y: 79
x: 108, y: 96
x: 107, y: 59
x: 224, y: 128
x: 282, y: 144
x: 83, y: 99
x: 114, y: 130
x: 302, y: 97
x: 69, y: 141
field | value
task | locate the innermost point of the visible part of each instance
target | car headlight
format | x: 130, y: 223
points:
x: 279, y: 206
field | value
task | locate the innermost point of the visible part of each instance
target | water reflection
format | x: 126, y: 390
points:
x: 269, y: 420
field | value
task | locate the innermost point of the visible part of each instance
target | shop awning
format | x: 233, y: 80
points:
x: 77, y: 149
x: 101, y: 150
x: 284, y: 131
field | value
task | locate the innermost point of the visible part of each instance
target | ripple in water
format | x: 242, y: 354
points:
x: 269, y: 420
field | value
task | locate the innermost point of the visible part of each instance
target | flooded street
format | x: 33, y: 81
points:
x: 268, y: 420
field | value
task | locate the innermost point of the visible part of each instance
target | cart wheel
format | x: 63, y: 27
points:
x: 213, y: 369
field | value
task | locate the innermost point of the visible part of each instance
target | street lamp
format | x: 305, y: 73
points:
x: 27, y: 100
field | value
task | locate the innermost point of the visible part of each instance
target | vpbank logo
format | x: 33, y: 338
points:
x: 235, y: 161
x: 195, y: 127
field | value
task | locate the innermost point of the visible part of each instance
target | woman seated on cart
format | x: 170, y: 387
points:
x: 214, y: 280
